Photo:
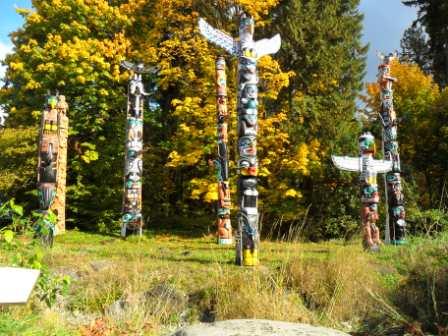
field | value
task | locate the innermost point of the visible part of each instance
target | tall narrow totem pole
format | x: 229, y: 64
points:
x: 132, y: 220
x: 3, y: 117
x: 368, y: 168
x: 52, y: 161
x: 248, y: 51
x: 395, y: 198
x: 222, y: 162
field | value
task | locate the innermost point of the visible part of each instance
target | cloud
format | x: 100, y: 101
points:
x: 5, y: 48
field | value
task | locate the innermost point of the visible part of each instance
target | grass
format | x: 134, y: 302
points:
x: 152, y: 285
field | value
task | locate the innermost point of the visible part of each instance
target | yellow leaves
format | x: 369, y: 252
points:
x: 16, y: 66
x: 34, y: 18
x: 46, y: 67
x: 202, y: 188
x: 258, y: 8
x: 32, y: 85
x: 265, y: 161
x: 292, y: 193
x: 271, y: 77
x: 412, y: 81
x: 305, y: 157
x: 174, y: 159
x: 81, y: 79
x: 184, y: 128
x: 263, y: 171
x: 103, y: 92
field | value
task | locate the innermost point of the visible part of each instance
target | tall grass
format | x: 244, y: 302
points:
x: 152, y: 286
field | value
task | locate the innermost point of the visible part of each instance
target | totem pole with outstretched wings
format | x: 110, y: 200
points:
x: 248, y: 52
x: 368, y: 168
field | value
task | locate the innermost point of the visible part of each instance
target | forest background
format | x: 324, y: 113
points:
x: 312, y: 105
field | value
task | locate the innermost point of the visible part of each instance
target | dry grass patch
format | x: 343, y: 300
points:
x: 337, y: 287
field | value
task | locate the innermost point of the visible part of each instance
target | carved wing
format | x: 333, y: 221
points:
x: 128, y: 65
x: 382, y: 166
x: 268, y: 46
x: 347, y: 163
x: 217, y: 37
x: 150, y: 69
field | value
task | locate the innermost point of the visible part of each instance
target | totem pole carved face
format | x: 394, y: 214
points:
x: 367, y: 144
x: 133, y: 198
x: 390, y: 134
x: 134, y: 166
x: 222, y: 133
x: 224, y: 192
x: 61, y: 105
x: 222, y: 107
x: 246, y: 31
x: 369, y: 193
x: 247, y: 146
x: 247, y: 125
x: 248, y: 166
x: 52, y: 102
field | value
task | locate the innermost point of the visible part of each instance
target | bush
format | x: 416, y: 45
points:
x: 428, y: 222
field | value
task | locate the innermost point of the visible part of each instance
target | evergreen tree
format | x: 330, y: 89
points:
x: 415, y: 48
x: 432, y: 16
x: 322, y: 46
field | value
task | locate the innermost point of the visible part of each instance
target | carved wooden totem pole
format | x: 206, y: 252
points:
x: 3, y: 117
x: 132, y: 220
x: 248, y: 51
x: 368, y: 168
x: 396, y: 225
x: 222, y: 162
x: 52, y: 161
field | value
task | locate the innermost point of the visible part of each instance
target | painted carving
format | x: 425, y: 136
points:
x: 248, y: 51
x: 368, y: 168
x: 3, y: 117
x: 395, y: 198
x: 52, y: 161
x: 222, y: 162
x: 132, y: 219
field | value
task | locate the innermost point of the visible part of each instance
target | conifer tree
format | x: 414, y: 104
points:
x: 432, y: 16
x: 322, y: 46
x: 415, y: 48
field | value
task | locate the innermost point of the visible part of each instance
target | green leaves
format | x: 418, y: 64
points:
x: 8, y: 236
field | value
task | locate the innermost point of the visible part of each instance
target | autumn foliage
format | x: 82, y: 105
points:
x: 305, y: 113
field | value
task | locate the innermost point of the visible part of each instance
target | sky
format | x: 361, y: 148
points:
x: 384, y: 24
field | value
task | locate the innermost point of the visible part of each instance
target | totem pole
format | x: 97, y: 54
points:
x: 52, y: 161
x: 368, y: 168
x: 248, y: 51
x: 222, y: 162
x: 3, y: 117
x: 396, y: 225
x: 132, y: 220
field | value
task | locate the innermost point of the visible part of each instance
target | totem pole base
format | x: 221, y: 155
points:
x: 126, y: 232
x: 250, y: 257
x: 225, y: 241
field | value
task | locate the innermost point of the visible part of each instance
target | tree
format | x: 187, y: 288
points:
x: 76, y: 47
x: 432, y: 16
x: 307, y: 101
x: 419, y: 108
x: 415, y: 48
x: 322, y: 46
